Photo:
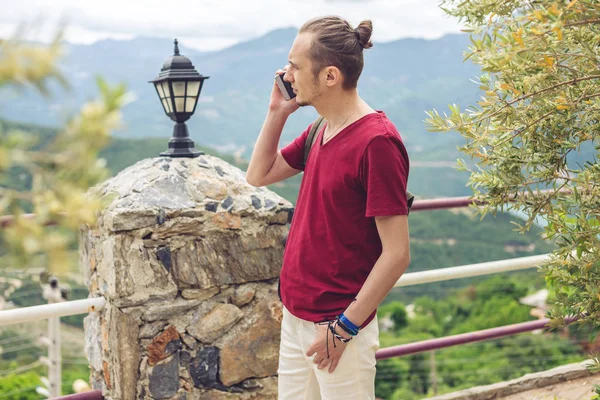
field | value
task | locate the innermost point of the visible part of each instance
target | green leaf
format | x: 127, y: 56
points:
x: 594, y: 333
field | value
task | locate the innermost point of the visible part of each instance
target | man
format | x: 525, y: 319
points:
x: 348, y: 243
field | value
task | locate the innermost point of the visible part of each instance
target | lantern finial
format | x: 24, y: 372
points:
x: 176, y: 47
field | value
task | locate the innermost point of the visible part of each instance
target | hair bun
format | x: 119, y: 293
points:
x: 363, y: 32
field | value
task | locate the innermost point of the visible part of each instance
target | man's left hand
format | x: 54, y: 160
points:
x: 319, y: 347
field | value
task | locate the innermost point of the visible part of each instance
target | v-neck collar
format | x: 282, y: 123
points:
x: 322, y: 133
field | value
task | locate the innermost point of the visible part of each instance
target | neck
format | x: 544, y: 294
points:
x: 338, y: 106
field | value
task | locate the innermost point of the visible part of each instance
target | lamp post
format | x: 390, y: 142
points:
x: 178, y: 86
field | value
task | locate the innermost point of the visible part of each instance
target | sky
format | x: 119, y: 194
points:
x: 214, y: 24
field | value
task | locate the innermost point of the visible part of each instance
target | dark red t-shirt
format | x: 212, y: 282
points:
x: 333, y: 242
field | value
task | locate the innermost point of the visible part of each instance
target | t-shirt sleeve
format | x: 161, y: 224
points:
x: 293, y: 153
x: 384, y: 175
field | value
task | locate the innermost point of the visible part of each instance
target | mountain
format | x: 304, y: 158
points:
x: 403, y: 78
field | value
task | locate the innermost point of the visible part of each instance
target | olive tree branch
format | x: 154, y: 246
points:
x: 520, y: 131
x: 584, y: 22
x: 510, y: 103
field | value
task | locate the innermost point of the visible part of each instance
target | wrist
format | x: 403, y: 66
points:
x: 278, y: 113
x: 358, y: 313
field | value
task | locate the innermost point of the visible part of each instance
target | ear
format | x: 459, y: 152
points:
x: 333, y: 76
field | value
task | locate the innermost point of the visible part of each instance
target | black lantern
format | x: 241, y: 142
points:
x: 178, y: 86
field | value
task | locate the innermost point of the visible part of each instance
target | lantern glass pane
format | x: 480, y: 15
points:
x: 165, y: 86
x: 166, y: 106
x: 179, y: 104
x: 189, y: 104
x: 179, y: 88
x: 193, y: 88
x: 159, y: 89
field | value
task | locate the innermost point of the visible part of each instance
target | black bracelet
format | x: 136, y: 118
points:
x: 337, y: 335
x: 346, y: 329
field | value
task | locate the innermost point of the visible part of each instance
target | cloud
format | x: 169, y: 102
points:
x: 216, y: 24
x: 210, y: 113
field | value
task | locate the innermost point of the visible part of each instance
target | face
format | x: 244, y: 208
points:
x: 300, y: 74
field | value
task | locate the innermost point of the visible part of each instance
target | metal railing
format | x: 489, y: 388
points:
x: 91, y: 395
x: 463, y: 338
x: 443, y: 203
x: 471, y: 270
x: 46, y: 311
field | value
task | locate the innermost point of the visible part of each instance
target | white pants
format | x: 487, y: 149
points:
x: 299, y: 377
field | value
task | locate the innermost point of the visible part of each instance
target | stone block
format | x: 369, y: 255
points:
x: 204, y: 368
x: 179, y: 227
x: 199, y: 294
x: 125, y: 219
x: 164, y: 310
x: 163, y: 345
x: 243, y: 295
x: 152, y: 329
x: 189, y: 341
x: 164, y: 378
x: 93, y: 344
x: 125, y: 354
x: 249, y: 258
x: 252, y: 350
x: 225, y: 220
x: 133, y: 274
x: 218, y: 321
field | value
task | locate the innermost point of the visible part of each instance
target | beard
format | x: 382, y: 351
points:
x: 316, y: 92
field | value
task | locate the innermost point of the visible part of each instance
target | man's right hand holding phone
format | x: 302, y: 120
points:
x: 267, y: 165
x: 278, y: 103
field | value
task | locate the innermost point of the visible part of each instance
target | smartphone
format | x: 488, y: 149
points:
x: 285, y: 87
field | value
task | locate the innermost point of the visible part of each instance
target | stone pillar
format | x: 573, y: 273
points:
x: 187, y: 255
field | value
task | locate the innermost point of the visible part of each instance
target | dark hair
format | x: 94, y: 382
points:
x: 337, y: 43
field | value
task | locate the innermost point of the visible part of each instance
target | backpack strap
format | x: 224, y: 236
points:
x: 312, y: 136
x: 409, y: 199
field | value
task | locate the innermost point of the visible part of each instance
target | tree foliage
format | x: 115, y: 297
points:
x: 55, y: 174
x: 533, y: 136
x: 60, y: 171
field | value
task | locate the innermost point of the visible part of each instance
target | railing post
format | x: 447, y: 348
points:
x: 52, y: 294
x: 433, y: 372
x: 55, y: 357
